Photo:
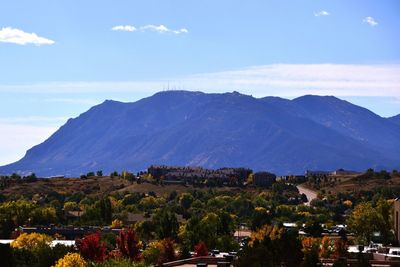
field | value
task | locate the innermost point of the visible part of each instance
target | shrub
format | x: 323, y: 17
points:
x: 184, y: 253
x: 31, y: 241
x: 92, y: 248
x: 110, y: 240
x: 121, y: 262
x: 117, y: 224
x: 71, y: 260
x: 129, y: 245
x: 167, y: 252
x: 201, y: 249
x: 152, y: 253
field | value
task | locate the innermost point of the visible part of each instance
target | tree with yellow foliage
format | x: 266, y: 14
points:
x: 250, y: 178
x: 152, y: 252
x: 71, y: 206
x: 71, y: 260
x: 117, y: 224
x: 272, y: 246
x: 260, y: 217
x: 31, y: 241
x: 34, y: 250
x: 363, y: 221
x: 348, y: 203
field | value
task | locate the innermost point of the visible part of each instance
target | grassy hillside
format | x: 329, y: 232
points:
x: 369, y: 181
x: 94, y: 186
x: 65, y: 186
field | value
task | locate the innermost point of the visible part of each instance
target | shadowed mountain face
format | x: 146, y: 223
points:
x: 395, y: 119
x: 218, y: 130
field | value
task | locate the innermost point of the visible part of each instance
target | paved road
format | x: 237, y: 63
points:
x: 308, y: 192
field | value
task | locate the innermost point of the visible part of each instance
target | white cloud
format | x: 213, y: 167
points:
x: 125, y: 28
x: 370, y: 20
x: 155, y: 28
x: 321, y: 13
x: 276, y: 80
x: 162, y: 29
x: 284, y: 80
x: 15, y: 139
x: 16, y: 36
x: 300, y: 79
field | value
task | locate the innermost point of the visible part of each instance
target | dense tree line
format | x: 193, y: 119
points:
x: 210, y: 217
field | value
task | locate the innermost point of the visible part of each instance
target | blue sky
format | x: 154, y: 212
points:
x: 58, y: 58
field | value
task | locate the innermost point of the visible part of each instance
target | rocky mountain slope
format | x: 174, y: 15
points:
x: 217, y: 130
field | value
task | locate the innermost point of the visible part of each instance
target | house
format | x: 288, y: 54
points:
x: 319, y: 174
x: 263, y: 179
x: 73, y: 216
x: 292, y: 178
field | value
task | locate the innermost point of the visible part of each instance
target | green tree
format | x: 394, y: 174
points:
x: 148, y: 203
x: 260, y: 218
x: 105, y: 210
x: 14, y: 214
x: 384, y: 211
x: 189, y: 232
x: 272, y: 246
x: 44, y: 216
x: 71, y: 206
x: 363, y: 221
x: 166, y: 224
x: 145, y: 229
x: 186, y: 200
x: 226, y: 224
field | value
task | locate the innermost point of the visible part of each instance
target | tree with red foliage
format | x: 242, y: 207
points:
x: 201, y: 249
x: 167, y: 252
x: 92, y: 248
x: 128, y: 244
x: 340, y: 249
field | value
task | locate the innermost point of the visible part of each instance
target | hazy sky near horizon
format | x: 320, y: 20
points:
x: 59, y: 58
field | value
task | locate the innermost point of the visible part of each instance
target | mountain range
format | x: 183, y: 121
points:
x: 218, y: 130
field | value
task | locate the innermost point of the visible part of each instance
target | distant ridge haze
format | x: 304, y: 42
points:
x: 218, y: 130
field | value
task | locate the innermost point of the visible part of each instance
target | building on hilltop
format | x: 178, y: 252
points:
x: 320, y: 174
x: 317, y: 173
x: 195, y: 175
x: 263, y: 179
x: 344, y: 172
